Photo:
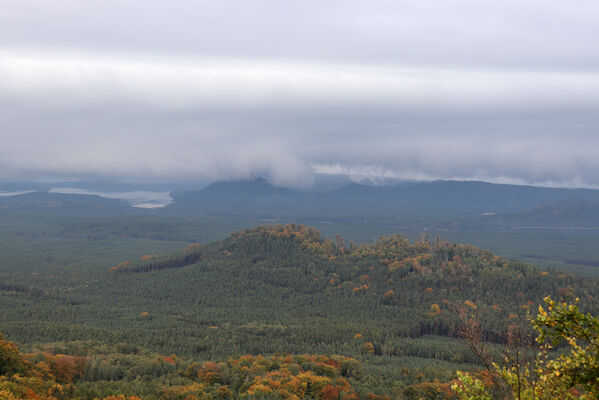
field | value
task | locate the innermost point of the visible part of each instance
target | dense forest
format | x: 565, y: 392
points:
x: 395, y: 308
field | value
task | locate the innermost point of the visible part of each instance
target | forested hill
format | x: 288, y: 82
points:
x: 421, y: 283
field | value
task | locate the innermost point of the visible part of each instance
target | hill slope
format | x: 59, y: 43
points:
x: 289, y: 272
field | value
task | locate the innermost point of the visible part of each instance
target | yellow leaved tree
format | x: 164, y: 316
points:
x: 574, y: 374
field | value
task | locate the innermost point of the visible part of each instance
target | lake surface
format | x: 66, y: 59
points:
x: 6, y: 194
x: 138, y: 198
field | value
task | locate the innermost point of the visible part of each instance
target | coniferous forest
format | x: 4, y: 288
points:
x: 276, y: 311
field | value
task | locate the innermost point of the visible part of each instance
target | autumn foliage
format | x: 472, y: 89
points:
x: 282, y: 376
x: 45, y: 376
x: 48, y: 378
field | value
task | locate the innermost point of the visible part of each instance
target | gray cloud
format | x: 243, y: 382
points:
x: 229, y: 90
x: 534, y: 34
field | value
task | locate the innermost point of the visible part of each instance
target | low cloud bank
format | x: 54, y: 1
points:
x: 72, y: 114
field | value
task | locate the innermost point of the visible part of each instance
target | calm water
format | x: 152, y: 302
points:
x: 138, y: 198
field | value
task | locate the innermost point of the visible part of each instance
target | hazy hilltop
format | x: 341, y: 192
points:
x: 257, y: 197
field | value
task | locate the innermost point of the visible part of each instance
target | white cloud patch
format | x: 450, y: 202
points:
x: 80, y: 80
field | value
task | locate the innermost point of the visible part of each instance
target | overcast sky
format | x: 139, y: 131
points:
x: 505, y: 91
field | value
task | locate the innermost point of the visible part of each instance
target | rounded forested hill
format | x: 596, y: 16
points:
x: 290, y: 272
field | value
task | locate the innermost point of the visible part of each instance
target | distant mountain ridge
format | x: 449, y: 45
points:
x: 475, y: 204
x: 425, y: 199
